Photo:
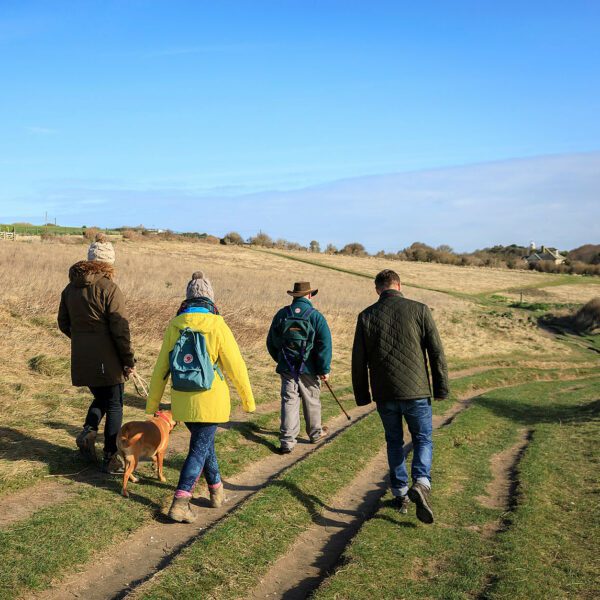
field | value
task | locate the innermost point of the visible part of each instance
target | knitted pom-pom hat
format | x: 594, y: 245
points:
x: 199, y: 287
x: 101, y: 250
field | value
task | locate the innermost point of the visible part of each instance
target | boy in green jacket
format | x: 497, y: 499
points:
x: 299, y: 341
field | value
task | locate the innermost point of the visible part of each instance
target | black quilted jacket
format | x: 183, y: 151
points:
x: 394, y: 339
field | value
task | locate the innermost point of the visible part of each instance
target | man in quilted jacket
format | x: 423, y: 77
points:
x: 396, y: 345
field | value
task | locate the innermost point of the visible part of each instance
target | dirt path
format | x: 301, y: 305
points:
x: 301, y: 569
x: 317, y: 550
x: 503, y: 465
x: 152, y: 547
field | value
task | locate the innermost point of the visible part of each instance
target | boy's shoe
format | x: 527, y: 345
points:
x: 181, y: 511
x: 285, y: 450
x: 324, y: 434
x: 217, y: 496
x: 401, y: 503
x: 112, y: 464
x: 419, y: 494
x: 86, y: 442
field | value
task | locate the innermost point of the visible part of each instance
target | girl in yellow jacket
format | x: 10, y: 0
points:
x: 201, y: 411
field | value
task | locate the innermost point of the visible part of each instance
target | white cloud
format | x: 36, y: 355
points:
x: 552, y: 199
x: 34, y: 130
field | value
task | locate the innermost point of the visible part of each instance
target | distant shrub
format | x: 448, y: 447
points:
x: 131, y: 235
x: 331, y: 249
x: 569, y: 267
x: 47, y: 236
x: 315, y: 246
x: 589, y: 253
x: 262, y: 239
x: 587, y: 318
x: 210, y: 239
x: 353, y: 249
x: 233, y: 237
x: 90, y: 233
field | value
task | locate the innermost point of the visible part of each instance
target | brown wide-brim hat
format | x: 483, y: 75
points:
x: 302, y: 288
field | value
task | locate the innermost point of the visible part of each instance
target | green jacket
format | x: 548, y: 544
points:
x: 318, y: 361
x: 394, y: 341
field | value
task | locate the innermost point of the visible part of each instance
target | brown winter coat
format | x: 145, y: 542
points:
x: 92, y: 313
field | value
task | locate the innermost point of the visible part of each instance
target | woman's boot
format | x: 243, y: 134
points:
x: 217, y: 495
x: 181, y: 511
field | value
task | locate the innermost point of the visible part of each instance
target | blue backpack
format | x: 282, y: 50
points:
x: 190, y: 365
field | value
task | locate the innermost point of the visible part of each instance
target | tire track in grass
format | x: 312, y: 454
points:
x: 317, y: 551
x: 458, y: 556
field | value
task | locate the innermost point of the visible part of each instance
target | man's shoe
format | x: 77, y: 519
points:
x: 181, y: 511
x: 419, y: 494
x: 86, y: 442
x: 324, y: 434
x: 217, y: 496
x: 112, y: 464
x: 285, y: 450
x: 401, y: 503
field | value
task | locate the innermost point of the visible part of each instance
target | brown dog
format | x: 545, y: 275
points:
x: 147, y: 439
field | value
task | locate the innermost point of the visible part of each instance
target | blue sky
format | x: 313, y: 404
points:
x: 155, y: 112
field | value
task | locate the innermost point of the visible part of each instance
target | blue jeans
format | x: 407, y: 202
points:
x: 417, y: 414
x: 201, y: 457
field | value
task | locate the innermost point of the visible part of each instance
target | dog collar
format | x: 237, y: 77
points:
x: 162, y: 416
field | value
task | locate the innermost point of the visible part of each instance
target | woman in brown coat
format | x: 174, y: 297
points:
x: 92, y: 313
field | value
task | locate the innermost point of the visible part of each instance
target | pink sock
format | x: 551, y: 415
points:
x: 195, y: 482
x: 183, y: 494
x: 215, y: 486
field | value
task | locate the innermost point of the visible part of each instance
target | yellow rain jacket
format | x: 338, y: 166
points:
x: 210, y: 406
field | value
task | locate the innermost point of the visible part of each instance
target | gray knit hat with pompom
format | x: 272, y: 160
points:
x: 199, y: 287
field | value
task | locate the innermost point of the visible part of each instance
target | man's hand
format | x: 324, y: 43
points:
x: 128, y: 371
x: 324, y: 377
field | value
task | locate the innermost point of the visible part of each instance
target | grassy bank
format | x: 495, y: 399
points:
x: 549, y: 547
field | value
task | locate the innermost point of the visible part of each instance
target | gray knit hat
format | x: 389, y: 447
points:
x: 101, y: 250
x: 199, y: 287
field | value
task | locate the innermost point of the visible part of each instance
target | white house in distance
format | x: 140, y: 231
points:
x: 544, y: 255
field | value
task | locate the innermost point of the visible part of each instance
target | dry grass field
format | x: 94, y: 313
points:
x: 490, y: 345
x: 470, y: 280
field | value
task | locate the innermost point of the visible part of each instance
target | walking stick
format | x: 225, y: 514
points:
x: 335, y: 398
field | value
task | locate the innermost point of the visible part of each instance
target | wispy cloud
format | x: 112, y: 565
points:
x: 207, y: 49
x: 552, y: 199
x: 34, y: 130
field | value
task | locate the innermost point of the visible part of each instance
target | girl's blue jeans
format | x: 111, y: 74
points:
x: 201, y: 457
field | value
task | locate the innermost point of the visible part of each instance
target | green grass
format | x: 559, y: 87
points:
x: 29, y: 229
x: 550, y: 547
x: 229, y: 560
x: 237, y: 447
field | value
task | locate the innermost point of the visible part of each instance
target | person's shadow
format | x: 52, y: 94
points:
x: 65, y: 462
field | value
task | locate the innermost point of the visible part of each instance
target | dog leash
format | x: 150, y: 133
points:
x: 140, y: 384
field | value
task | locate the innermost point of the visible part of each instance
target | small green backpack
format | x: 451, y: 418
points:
x: 298, y: 335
